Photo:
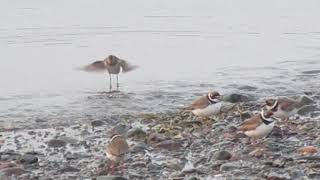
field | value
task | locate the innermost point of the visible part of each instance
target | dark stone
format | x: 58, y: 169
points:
x: 276, y: 132
x: 69, y: 169
x: 223, y: 155
x: 156, y: 138
x: 119, y: 129
x: 97, y: 123
x: 55, y: 143
x: 277, y: 176
x: 28, y: 159
x: 310, y: 158
x: 136, y: 133
x: 311, y: 72
x: 247, y: 88
x: 31, y: 133
x: 69, y: 140
x: 306, y: 100
x: 234, y: 98
x: 305, y: 110
x: 14, y: 171
x: 170, y: 145
x: 140, y: 147
x: 228, y: 167
x: 111, y: 178
x: 71, y: 156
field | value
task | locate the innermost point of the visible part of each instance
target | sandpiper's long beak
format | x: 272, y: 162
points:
x: 219, y: 97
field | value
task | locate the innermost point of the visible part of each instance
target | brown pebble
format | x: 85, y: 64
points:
x: 307, y: 150
x: 257, y: 152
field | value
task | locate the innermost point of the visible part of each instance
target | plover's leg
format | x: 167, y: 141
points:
x: 113, y: 167
x: 117, y: 83
x: 121, y: 167
x: 110, y: 82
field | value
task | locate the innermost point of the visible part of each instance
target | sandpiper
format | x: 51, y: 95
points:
x: 206, y: 105
x: 116, y: 150
x: 283, y: 107
x: 259, y: 125
x: 112, y: 64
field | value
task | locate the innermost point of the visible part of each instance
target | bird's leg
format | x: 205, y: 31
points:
x: 110, y: 82
x: 253, y: 141
x: 121, y: 167
x: 117, y: 83
x: 113, y: 166
x: 239, y: 110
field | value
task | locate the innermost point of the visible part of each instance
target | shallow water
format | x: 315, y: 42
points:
x: 182, y: 49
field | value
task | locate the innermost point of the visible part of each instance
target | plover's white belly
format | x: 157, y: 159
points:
x: 114, y: 158
x: 114, y: 69
x: 260, y: 131
x: 284, y: 114
x: 208, y: 111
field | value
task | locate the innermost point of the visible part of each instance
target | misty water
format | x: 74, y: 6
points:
x: 183, y: 49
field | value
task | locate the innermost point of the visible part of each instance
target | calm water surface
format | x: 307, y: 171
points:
x: 183, y: 49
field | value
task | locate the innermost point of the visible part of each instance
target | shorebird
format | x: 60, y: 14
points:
x: 259, y: 125
x: 283, y: 108
x: 113, y: 65
x: 206, y: 105
x: 116, y: 150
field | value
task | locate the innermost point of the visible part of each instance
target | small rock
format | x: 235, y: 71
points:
x: 223, y: 155
x: 234, y: 98
x: 14, y: 171
x: 111, y: 178
x: 139, y: 147
x: 276, y: 176
x: 156, y: 138
x: 170, y: 145
x: 7, y: 165
x: 69, y: 140
x: 316, y: 141
x: 188, y: 168
x: 97, y: 123
x: 10, y: 156
x: 293, y: 139
x: 279, y: 163
x: 138, y: 164
x: 2, y: 141
x: 4, y: 177
x: 120, y: 129
x: 305, y: 110
x: 229, y: 167
x: 174, y: 164
x: 257, y: 152
x: 55, y: 143
x: 247, y: 88
x: 136, y: 133
x: 307, y: 150
x: 276, y: 132
x: 306, y: 100
x: 28, y: 159
x: 310, y: 158
x: 311, y: 72
x: 69, y: 169
x: 32, y: 133
x: 71, y: 156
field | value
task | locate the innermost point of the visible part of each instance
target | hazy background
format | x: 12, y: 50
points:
x: 187, y: 41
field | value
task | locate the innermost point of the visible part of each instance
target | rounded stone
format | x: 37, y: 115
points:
x: 223, y: 155
x: 56, y: 143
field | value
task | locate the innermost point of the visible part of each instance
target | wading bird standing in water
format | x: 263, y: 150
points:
x: 112, y: 65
